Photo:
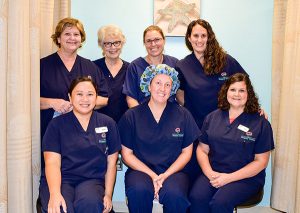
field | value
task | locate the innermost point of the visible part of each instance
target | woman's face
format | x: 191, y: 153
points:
x: 160, y: 88
x: 70, y: 39
x: 198, y: 39
x: 237, y: 95
x: 154, y: 43
x: 112, y: 46
x: 83, y: 98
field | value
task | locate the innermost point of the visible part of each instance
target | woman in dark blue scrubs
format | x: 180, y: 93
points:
x: 201, y: 75
x: 154, y: 41
x: 157, y: 139
x: 80, y: 150
x: 234, y: 150
x: 111, y: 41
x: 60, y: 68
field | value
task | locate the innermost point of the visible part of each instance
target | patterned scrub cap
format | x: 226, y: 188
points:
x: 153, y: 70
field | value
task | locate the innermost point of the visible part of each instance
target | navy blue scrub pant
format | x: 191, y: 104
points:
x: 205, y: 198
x: 140, y: 192
x: 85, y: 197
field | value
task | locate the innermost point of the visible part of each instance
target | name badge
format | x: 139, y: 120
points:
x: 101, y: 129
x: 243, y: 128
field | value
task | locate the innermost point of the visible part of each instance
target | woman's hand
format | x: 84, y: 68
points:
x: 107, y: 204
x: 220, y: 179
x: 262, y: 112
x: 55, y: 202
x: 61, y: 105
x: 158, y: 183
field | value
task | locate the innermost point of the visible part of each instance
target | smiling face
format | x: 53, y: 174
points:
x: 70, y: 39
x: 83, y: 98
x: 112, y: 46
x: 154, y: 43
x: 160, y: 88
x: 198, y: 39
x: 237, y: 95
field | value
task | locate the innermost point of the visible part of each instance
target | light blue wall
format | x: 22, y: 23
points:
x: 243, y: 28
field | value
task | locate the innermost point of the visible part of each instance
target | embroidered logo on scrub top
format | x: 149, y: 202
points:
x: 102, y: 130
x: 248, y: 137
x: 223, y: 76
x: 103, y: 138
x: 177, y: 133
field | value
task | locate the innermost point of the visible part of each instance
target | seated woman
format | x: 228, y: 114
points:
x: 234, y: 150
x: 157, y: 138
x: 80, y: 150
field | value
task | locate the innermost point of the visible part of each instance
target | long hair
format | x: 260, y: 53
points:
x: 214, y: 55
x: 252, y: 104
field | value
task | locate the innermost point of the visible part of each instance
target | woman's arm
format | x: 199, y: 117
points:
x: 59, y: 105
x: 53, y: 176
x: 110, y: 178
x: 180, y: 162
x: 203, y: 160
x: 180, y: 97
x: 133, y: 162
x: 259, y: 163
x: 131, y: 102
x: 101, y: 102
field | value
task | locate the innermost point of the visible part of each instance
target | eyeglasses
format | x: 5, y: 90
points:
x: 109, y: 44
x: 150, y: 41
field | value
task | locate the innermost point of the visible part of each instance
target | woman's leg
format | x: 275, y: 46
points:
x: 89, y: 197
x: 174, y: 193
x: 139, y: 191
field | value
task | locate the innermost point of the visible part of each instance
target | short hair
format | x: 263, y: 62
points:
x: 79, y: 80
x: 153, y: 28
x: 109, y: 30
x: 214, y: 55
x: 252, y: 104
x: 63, y: 24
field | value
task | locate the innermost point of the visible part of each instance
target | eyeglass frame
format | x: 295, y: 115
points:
x: 148, y: 42
x: 110, y: 44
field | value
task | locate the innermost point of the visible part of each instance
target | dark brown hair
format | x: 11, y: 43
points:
x: 214, y: 55
x: 79, y: 80
x: 252, y: 105
x: 63, y: 24
x: 153, y: 28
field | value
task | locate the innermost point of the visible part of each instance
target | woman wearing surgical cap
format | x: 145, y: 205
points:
x: 157, y: 138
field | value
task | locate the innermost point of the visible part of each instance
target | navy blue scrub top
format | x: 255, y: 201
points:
x: 117, y: 104
x: 55, y: 80
x: 231, y: 145
x: 201, y: 90
x: 135, y: 70
x: 157, y: 145
x: 83, y: 153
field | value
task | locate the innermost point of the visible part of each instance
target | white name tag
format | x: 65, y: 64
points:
x: 101, y: 129
x: 243, y: 128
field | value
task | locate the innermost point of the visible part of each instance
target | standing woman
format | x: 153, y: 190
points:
x: 201, y: 75
x: 154, y: 41
x: 80, y: 150
x: 234, y: 150
x: 111, y: 41
x: 60, y: 68
x: 157, y: 139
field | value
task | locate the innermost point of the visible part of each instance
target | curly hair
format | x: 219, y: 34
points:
x: 214, y: 54
x: 252, y: 104
x: 63, y: 24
